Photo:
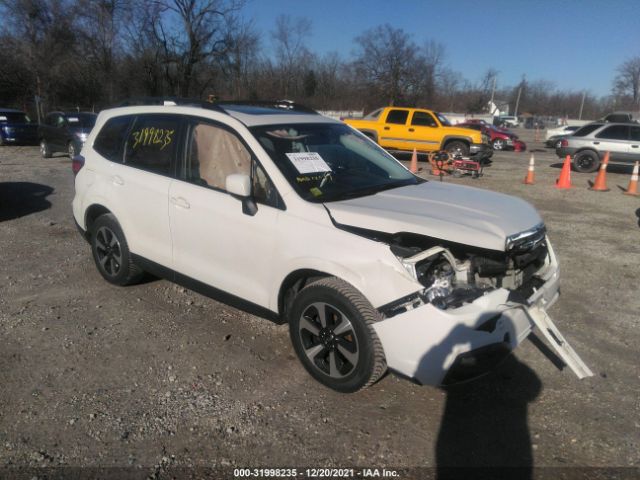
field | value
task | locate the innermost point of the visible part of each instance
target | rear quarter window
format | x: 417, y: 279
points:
x: 110, y: 141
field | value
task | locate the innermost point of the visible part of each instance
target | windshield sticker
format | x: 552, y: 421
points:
x: 315, y: 191
x: 3, y: 119
x: 152, y: 136
x: 308, y: 162
x: 73, y: 119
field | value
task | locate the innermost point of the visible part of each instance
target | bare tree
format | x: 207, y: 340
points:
x: 292, y: 54
x: 386, y: 61
x: 627, y: 80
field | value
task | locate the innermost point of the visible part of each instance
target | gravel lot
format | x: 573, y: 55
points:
x: 157, y: 377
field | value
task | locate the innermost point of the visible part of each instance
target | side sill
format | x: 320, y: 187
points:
x: 206, y: 290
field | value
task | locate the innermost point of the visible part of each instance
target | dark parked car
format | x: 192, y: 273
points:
x: 16, y: 128
x: 65, y: 132
x: 500, y: 139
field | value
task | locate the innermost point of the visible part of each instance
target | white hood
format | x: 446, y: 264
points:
x: 466, y: 215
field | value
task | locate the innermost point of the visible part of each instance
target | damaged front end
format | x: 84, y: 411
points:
x: 476, y: 305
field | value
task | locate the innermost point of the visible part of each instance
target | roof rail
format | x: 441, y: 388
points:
x: 192, y: 102
x: 215, y: 105
x: 280, y: 104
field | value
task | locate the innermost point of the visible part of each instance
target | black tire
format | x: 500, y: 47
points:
x: 71, y: 149
x: 498, y: 144
x: 586, y: 161
x: 457, y: 147
x: 345, y: 354
x: 45, y: 149
x: 111, y: 252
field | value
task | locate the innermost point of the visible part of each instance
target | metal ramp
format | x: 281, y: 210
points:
x: 542, y: 320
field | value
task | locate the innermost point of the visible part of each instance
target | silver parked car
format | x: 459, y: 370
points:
x: 588, y: 145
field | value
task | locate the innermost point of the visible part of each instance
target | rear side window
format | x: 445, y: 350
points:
x: 615, y: 132
x: 110, y: 141
x: 586, y: 130
x: 152, y: 142
x: 397, y: 116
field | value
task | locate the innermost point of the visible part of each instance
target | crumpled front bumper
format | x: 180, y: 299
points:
x: 435, y: 347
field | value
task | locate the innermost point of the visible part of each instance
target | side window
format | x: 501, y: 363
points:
x: 213, y: 154
x: 152, y: 142
x: 615, y: 132
x: 424, y: 119
x: 635, y: 134
x: 397, y: 116
x: 110, y: 141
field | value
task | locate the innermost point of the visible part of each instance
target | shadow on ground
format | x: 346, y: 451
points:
x: 484, y: 431
x: 611, y: 168
x: 18, y: 199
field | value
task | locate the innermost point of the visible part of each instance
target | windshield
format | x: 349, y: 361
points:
x: 14, y: 117
x: 81, y: 120
x: 444, y: 121
x: 328, y: 162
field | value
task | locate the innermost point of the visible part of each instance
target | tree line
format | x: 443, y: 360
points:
x: 90, y: 54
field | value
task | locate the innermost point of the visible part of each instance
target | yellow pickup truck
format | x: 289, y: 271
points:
x: 396, y: 128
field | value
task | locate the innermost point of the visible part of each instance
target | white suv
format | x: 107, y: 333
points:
x: 298, y: 217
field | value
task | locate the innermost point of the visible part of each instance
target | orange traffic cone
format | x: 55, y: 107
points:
x: 564, y: 181
x: 600, y: 185
x: 414, y: 162
x: 529, y: 179
x: 632, y: 189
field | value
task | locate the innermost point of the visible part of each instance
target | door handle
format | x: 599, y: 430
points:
x: 596, y: 143
x: 387, y: 128
x: 117, y: 180
x: 180, y: 202
x: 412, y: 130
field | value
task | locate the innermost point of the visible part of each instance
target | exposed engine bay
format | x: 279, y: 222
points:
x: 454, y: 274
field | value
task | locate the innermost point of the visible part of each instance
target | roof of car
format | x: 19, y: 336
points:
x: 250, y: 113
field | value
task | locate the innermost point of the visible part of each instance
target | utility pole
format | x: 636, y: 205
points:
x: 515, y: 113
x: 493, y: 91
x: 584, y: 94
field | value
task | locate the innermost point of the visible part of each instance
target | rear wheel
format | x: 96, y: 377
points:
x: 45, y: 149
x: 457, y: 148
x: 586, y: 161
x: 498, y: 144
x: 111, y: 252
x: 331, y: 328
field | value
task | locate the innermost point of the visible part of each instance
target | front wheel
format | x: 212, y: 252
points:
x: 586, y: 161
x: 457, y: 148
x: 45, y: 149
x: 331, y: 328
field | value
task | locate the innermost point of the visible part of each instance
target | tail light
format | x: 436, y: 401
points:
x: 564, y: 142
x: 76, y: 164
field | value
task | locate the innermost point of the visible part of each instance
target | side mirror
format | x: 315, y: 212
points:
x: 239, y: 185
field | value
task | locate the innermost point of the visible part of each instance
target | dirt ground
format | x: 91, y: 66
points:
x: 156, y: 378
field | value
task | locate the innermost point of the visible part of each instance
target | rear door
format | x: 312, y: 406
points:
x: 634, y: 147
x: 423, y: 132
x: 138, y: 180
x: 615, y: 140
x: 214, y: 240
x: 394, y: 131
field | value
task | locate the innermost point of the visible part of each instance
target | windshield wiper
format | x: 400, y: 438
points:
x: 363, y: 192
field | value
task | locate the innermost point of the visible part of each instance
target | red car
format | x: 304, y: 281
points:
x: 500, y: 139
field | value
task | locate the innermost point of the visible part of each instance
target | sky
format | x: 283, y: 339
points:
x: 576, y: 44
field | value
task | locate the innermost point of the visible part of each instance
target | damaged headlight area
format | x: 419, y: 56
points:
x: 454, y: 274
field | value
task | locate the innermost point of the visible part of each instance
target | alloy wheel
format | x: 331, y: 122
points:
x: 108, y: 251
x: 329, y: 340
